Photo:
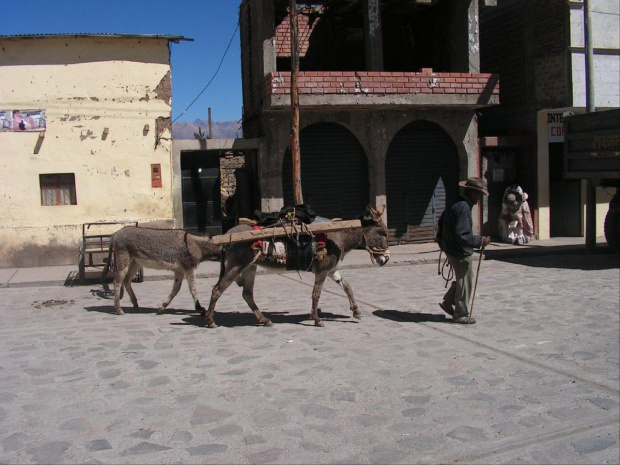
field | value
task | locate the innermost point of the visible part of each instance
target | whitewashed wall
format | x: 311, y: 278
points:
x: 605, y: 15
x: 85, y: 85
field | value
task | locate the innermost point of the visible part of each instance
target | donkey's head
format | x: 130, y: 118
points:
x: 375, y: 235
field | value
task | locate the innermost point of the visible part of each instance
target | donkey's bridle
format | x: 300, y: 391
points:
x: 374, y: 250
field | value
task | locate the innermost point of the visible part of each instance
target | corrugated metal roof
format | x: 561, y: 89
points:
x: 97, y: 34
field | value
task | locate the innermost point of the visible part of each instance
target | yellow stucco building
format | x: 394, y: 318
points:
x: 86, y: 136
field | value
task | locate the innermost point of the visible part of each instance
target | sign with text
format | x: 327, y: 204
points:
x: 555, y: 127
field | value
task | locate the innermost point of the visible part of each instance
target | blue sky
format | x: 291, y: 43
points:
x: 211, y: 23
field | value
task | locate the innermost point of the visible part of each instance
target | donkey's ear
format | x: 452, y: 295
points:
x: 376, y: 213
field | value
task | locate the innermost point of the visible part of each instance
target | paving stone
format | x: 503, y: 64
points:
x: 226, y: 430
x: 182, y: 436
x: 204, y: 414
x: 98, y: 445
x: 147, y: 364
x: 142, y: 434
x: 110, y: 373
x: 385, y: 454
x: 15, y: 441
x: 266, y: 456
x: 253, y: 439
x: 413, y: 412
x: 604, y: 403
x: 144, y: 448
x: 50, y: 452
x: 589, y: 445
x: 269, y: 417
x: 76, y: 424
x: 207, y: 449
x: 159, y: 381
x: 417, y: 400
x: 346, y: 396
x: 467, y: 433
x: 420, y: 443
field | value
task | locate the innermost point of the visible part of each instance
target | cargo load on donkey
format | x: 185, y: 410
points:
x: 306, y: 243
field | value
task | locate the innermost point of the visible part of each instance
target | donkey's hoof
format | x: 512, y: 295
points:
x: 161, y: 310
x: 357, y: 315
x: 268, y: 323
x: 319, y: 323
x: 211, y: 325
x: 120, y: 312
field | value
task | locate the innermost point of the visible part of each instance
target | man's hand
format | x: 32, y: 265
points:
x: 486, y: 240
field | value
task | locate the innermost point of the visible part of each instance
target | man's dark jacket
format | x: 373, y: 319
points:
x: 455, y: 236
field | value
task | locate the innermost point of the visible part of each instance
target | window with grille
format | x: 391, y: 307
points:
x: 57, y: 189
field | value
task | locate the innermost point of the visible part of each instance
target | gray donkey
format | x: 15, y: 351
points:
x: 161, y: 249
x: 239, y: 261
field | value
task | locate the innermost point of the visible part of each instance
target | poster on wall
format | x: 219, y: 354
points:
x: 22, y: 120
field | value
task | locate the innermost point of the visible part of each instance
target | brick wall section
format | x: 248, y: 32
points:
x: 382, y: 82
x: 551, y: 54
x: 304, y: 28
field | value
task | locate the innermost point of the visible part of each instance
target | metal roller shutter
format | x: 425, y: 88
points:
x: 334, y: 172
x: 422, y: 172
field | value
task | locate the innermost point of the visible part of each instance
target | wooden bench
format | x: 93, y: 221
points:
x: 95, y: 246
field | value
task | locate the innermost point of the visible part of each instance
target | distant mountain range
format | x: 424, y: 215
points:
x: 219, y: 129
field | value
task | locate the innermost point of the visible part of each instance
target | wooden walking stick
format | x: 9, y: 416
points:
x: 471, y: 308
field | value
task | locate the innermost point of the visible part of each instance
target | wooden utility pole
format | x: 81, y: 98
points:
x: 295, y: 150
x: 590, y: 107
x: 210, y: 136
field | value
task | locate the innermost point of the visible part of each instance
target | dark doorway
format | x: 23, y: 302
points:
x: 201, y: 192
x: 565, y: 206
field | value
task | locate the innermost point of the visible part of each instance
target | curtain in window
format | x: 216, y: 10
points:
x: 59, y: 194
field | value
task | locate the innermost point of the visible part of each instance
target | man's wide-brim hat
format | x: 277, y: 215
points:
x: 474, y: 184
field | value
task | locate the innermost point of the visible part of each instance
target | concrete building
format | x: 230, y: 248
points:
x: 86, y: 137
x: 538, y: 50
x: 389, y: 93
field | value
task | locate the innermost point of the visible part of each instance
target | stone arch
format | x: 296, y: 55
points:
x: 422, y: 172
x: 334, y: 171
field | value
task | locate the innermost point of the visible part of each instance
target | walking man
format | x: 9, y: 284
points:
x: 457, y: 241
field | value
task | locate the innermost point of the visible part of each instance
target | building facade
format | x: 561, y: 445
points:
x: 538, y: 50
x: 388, y: 92
x: 86, y: 137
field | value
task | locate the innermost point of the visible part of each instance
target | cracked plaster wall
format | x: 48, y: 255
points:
x: 85, y: 85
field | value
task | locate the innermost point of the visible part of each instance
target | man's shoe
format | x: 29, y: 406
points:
x: 464, y: 320
x: 446, y: 307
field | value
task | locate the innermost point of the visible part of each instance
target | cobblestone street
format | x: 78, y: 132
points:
x: 536, y: 380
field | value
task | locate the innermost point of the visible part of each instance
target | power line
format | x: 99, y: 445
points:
x: 212, y: 78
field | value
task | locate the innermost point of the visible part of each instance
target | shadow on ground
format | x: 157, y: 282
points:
x: 574, y: 259
x: 236, y: 319
x: 226, y: 319
x: 140, y: 310
x: 412, y: 317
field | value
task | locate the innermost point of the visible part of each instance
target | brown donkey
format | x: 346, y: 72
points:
x: 239, y: 261
x: 161, y: 249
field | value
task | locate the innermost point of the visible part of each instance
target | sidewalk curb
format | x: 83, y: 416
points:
x: 402, y: 255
